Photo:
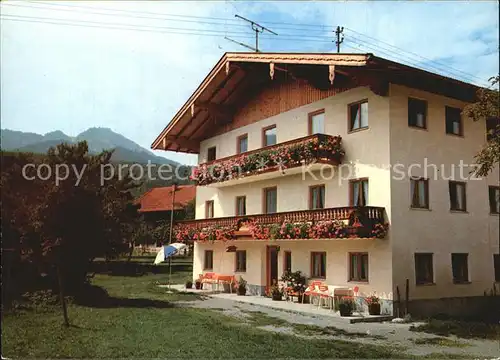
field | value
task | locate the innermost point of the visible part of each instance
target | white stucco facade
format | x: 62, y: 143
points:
x: 387, y: 141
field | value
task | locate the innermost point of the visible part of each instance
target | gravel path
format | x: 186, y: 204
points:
x: 387, y: 334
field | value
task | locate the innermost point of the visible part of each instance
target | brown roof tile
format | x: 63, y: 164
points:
x: 160, y: 198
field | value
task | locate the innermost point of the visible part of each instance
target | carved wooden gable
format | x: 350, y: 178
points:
x: 274, y: 99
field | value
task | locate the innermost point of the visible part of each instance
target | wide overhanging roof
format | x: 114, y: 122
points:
x: 237, y: 76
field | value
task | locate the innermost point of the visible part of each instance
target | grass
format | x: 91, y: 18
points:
x: 258, y: 318
x: 461, y: 329
x: 134, y: 318
x: 439, y: 341
x: 313, y: 330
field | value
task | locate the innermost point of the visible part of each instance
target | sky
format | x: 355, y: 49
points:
x: 130, y: 66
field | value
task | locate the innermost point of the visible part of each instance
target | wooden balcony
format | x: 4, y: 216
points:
x: 268, y: 162
x: 352, y: 222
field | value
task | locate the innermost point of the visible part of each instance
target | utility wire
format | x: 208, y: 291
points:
x: 129, y: 14
x: 209, y: 32
x: 121, y: 15
x: 2, y: 17
x: 412, y: 53
x: 123, y: 24
x: 128, y: 26
x: 402, y: 59
x: 144, y: 28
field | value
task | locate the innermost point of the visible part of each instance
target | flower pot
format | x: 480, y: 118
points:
x: 374, y: 309
x: 345, y: 310
x: 189, y: 285
x: 197, y: 285
x: 241, y: 291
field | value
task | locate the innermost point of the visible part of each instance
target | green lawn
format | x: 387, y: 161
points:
x: 140, y: 320
x: 461, y: 329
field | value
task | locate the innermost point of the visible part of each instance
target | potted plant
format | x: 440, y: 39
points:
x: 242, y: 287
x: 346, y: 306
x: 295, y: 283
x: 373, y: 303
x: 198, y: 284
x: 275, y: 292
x: 189, y: 284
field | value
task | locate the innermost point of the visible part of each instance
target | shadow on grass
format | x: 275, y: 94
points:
x: 125, y: 268
x: 97, y: 297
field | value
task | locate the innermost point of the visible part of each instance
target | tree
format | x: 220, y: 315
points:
x: 61, y: 229
x: 486, y: 108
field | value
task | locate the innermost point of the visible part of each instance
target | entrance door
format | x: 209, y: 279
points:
x: 272, y: 265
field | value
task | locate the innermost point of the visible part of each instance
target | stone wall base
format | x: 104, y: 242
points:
x: 256, y: 290
x: 473, y: 307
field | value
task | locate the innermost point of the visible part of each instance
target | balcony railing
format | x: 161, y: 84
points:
x: 341, y: 222
x: 318, y: 148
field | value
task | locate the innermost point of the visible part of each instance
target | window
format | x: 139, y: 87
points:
x: 211, y: 154
x: 424, y: 273
x: 317, y: 197
x: 359, y: 192
x: 358, y: 267
x: 494, y: 195
x: 269, y: 135
x: 453, y: 118
x: 417, y: 113
x: 496, y: 266
x: 358, y: 116
x: 460, y: 268
x: 242, y: 145
x: 208, y: 263
x: 492, y: 127
x: 270, y: 200
x: 241, y: 260
x: 318, y: 265
x: 457, y: 196
x: 241, y: 205
x: 419, y: 193
x: 209, y: 209
x: 317, y: 122
x: 287, y: 261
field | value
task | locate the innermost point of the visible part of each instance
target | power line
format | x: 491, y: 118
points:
x: 43, y: 21
x: 412, y: 53
x: 210, y: 32
x: 122, y: 24
x: 120, y: 15
x: 129, y: 14
x: 152, y: 29
x: 403, y: 58
x: 128, y: 26
x: 131, y: 11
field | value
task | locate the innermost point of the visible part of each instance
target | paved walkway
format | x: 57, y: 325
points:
x: 294, y: 307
